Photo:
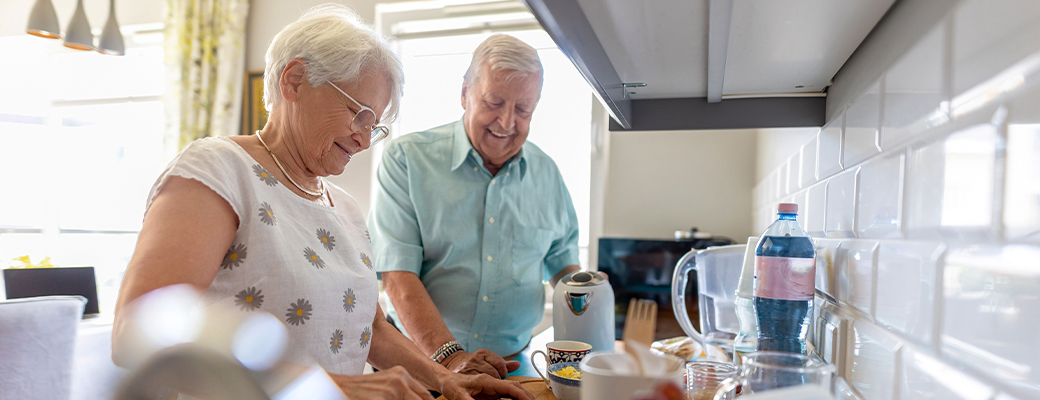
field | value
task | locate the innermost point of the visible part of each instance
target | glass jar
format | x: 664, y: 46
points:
x: 703, y: 377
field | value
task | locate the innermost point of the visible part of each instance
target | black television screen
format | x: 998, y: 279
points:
x: 642, y: 269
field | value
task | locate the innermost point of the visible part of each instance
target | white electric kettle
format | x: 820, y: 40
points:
x: 583, y: 310
x: 718, y: 273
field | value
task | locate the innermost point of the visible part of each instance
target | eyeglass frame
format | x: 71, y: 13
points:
x: 374, y: 128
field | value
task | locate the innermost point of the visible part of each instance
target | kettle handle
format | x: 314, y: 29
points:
x: 679, y: 277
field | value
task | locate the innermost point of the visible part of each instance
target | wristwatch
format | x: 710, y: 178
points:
x: 446, y: 350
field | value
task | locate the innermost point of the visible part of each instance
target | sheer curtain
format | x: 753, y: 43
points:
x: 205, y: 54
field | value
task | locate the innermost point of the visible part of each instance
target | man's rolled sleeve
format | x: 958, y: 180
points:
x: 392, y: 222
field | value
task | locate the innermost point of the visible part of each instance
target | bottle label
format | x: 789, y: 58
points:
x: 785, y: 278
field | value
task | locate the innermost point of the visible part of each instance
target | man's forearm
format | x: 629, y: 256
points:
x: 416, y: 310
x: 566, y: 270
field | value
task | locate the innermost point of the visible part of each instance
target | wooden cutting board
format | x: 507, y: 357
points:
x: 534, y: 385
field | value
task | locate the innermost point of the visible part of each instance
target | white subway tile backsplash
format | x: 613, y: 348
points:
x: 842, y: 391
x: 989, y: 38
x: 790, y: 171
x: 913, y: 91
x: 771, y: 188
x: 951, y: 186
x: 872, y: 361
x: 925, y: 213
x: 924, y: 377
x: 862, y: 120
x: 816, y: 199
x: 1022, y: 169
x: 855, y: 267
x: 906, y: 287
x: 827, y: 265
x: 807, y: 172
x: 991, y: 309
x: 828, y: 144
x: 841, y: 203
x: 880, y: 201
x: 781, y: 181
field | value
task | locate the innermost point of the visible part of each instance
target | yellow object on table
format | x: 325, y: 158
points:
x: 24, y: 262
x: 534, y: 385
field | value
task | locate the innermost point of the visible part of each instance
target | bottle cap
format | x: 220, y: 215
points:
x: 746, y: 285
x: 787, y: 208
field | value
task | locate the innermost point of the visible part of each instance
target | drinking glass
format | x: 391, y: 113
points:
x: 704, y: 377
x: 768, y: 370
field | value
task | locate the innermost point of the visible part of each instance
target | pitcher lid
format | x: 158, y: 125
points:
x: 583, y: 278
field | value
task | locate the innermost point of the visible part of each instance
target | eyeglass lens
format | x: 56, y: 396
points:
x: 364, y: 121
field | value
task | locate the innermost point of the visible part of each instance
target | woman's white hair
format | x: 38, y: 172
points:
x: 503, y: 52
x: 337, y: 46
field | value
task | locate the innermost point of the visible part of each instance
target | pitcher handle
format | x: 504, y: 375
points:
x: 730, y: 384
x: 679, y: 277
x: 535, y: 366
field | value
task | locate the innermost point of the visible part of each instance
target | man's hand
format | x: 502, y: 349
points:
x: 477, y: 387
x: 482, y: 361
x: 392, y: 384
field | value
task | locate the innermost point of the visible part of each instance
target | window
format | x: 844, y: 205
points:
x: 436, y: 53
x: 81, y: 142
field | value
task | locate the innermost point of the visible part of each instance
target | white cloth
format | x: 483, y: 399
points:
x: 305, y: 263
x: 37, y: 341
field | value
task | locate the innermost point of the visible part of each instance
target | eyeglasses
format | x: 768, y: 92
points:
x: 365, y: 120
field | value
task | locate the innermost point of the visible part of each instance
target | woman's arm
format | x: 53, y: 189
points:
x: 391, y: 348
x: 185, y: 235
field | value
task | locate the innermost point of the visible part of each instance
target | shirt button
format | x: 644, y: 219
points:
x: 485, y: 298
x: 492, y: 181
x: 491, y: 220
x: 475, y: 335
x: 474, y: 168
x: 489, y: 258
x: 507, y: 174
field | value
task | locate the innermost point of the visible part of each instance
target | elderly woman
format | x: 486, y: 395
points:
x: 250, y: 220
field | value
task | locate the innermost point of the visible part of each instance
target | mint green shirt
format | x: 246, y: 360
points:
x: 481, y: 244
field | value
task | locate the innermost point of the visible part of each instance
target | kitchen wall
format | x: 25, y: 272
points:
x: 662, y: 181
x: 923, y: 195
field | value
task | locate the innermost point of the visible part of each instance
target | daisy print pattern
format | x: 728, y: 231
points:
x: 349, y: 300
x: 366, y: 337
x: 249, y: 299
x: 266, y: 214
x: 336, y: 342
x: 299, y: 312
x: 264, y: 176
x: 366, y: 260
x: 326, y: 239
x: 235, y: 256
x: 313, y: 258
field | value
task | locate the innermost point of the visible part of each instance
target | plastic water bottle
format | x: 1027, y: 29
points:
x: 785, y: 275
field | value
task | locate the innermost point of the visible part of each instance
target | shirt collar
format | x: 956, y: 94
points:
x: 463, y: 149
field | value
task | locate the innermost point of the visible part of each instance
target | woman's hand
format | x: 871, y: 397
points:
x: 482, y: 361
x: 480, y: 386
x: 392, y: 384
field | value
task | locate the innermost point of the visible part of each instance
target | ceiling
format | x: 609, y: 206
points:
x: 773, y: 46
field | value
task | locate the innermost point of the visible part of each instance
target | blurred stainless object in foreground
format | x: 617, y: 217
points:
x: 172, y: 341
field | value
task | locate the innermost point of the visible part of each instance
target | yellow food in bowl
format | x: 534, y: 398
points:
x: 569, y: 373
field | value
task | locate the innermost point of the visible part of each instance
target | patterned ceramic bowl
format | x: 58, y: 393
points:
x: 563, y: 388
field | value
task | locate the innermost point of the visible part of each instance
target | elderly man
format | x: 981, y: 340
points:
x: 469, y: 219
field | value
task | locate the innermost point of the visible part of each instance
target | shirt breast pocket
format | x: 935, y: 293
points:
x: 530, y: 246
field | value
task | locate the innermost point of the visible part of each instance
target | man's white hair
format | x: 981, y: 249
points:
x: 337, y: 46
x: 504, y: 52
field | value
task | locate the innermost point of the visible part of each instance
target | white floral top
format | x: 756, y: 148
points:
x: 306, y: 263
